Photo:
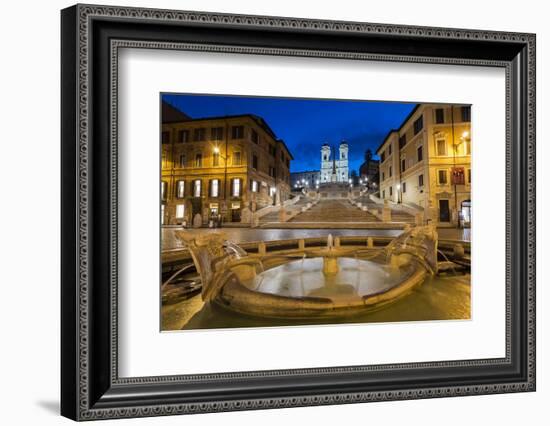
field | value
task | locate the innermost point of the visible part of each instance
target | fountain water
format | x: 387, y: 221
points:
x: 330, y: 281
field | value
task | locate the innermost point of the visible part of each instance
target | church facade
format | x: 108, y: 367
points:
x: 334, y: 169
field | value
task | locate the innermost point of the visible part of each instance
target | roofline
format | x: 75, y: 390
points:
x: 385, y: 139
x: 256, y: 118
x: 177, y: 111
x: 416, y: 108
x: 286, y: 147
x: 306, y: 171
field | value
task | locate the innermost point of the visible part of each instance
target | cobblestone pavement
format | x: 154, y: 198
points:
x: 239, y: 235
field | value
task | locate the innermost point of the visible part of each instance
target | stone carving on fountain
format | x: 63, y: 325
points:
x: 419, y: 242
x: 327, y: 281
x: 212, y: 255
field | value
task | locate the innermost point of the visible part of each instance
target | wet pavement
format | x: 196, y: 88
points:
x: 438, y: 298
x: 455, y: 234
x: 240, y: 235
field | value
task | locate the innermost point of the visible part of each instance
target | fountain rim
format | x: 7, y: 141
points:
x: 238, y: 298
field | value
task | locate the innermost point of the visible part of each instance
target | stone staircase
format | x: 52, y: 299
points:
x: 274, y: 216
x: 401, y: 216
x: 398, y: 213
x: 334, y: 211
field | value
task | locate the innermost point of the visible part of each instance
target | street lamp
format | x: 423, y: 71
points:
x: 398, y: 187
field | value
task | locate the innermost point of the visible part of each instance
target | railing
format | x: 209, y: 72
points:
x: 294, y: 243
x: 258, y: 214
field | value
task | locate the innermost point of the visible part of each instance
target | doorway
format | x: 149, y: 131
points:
x: 444, y: 211
x: 235, y: 212
x: 466, y: 213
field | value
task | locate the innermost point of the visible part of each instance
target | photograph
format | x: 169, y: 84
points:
x: 267, y: 208
x: 279, y: 211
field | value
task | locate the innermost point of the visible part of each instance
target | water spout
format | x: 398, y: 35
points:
x: 330, y: 242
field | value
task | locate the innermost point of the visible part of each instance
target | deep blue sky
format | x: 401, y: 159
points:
x: 305, y: 124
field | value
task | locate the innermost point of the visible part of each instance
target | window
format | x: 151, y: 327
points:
x: 441, y: 145
x: 254, y: 186
x: 384, y: 194
x: 469, y: 175
x: 198, y: 160
x: 165, y: 137
x: 215, y: 159
x: 390, y: 171
x: 418, y: 125
x: 254, y: 136
x: 383, y: 177
x: 180, y: 189
x: 216, y: 133
x: 467, y: 147
x: 254, y: 161
x: 391, y: 191
x: 237, y: 158
x: 237, y: 132
x: 402, y: 141
x: 163, y: 186
x: 420, y: 180
x: 404, y: 186
x: 236, y: 188
x: 180, y: 211
x: 442, y: 177
x: 197, y: 188
x: 457, y: 175
x: 282, y: 156
x: 183, y: 160
x: 466, y: 113
x: 389, y: 150
x: 272, y: 172
x: 183, y: 136
x: 215, y: 188
x: 199, y: 134
x: 403, y: 164
x: 383, y: 157
x: 164, y: 160
x: 439, y: 116
x: 419, y: 153
x: 272, y: 150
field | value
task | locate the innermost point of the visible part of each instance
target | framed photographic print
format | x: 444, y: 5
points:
x: 263, y: 212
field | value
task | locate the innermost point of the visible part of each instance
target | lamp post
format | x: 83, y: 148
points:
x: 398, y: 187
x: 224, y: 158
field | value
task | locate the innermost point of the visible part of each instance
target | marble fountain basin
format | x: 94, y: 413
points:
x: 303, y: 288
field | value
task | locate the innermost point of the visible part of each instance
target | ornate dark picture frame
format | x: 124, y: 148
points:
x: 91, y: 37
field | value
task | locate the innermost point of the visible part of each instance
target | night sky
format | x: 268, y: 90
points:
x: 305, y: 124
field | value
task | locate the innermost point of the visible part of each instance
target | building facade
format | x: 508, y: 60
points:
x: 334, y: 169
x: 368, y: 171
x: 309, y: 178
x: 221, y: 168
x: 427, y: 163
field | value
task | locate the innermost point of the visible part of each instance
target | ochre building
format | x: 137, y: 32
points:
x: 427, y: 162
x: 221, y: 168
